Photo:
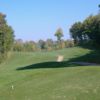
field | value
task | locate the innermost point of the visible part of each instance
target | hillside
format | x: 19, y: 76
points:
x: 37, y: 76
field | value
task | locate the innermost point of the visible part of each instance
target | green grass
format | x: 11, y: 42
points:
x: 36, y: 76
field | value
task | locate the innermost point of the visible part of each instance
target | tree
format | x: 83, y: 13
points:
x: 88, y: 31
x: 76, y: 32
x: 41, y: 44
x: 63, y: 45
x: 18, y: 45
x: 30, y: 46
x: 49, y: 44
x: 59, y: 34
x: 99, y: 8
x: 92, y: 28
x: 6, y: 36
x: 69, y: 43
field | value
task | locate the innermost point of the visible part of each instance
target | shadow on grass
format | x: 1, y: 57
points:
x: 92, y: 57
x: 48, y: 65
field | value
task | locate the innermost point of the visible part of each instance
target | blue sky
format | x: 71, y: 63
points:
x: 39, y: 19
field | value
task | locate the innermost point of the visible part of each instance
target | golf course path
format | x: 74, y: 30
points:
x: 86, y: 63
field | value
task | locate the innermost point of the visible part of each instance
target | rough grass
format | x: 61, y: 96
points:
x: 36, y: 76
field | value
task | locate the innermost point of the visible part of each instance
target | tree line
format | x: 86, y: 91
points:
x: 41, y: 45
x: 88, y: 31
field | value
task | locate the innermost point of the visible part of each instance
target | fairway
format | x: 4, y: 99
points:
x: 37, y: 76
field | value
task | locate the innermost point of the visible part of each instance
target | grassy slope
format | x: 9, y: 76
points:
x: 65, y: 83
